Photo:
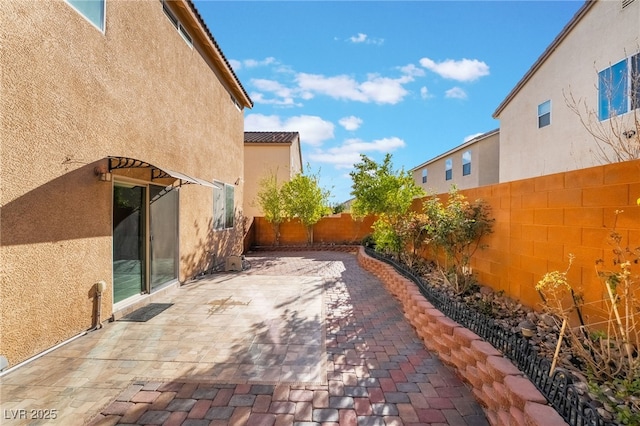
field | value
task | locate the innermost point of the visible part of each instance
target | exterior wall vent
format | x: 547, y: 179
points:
x: 626, y: 3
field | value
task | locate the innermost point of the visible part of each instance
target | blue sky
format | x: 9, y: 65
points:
x: 411, y: 78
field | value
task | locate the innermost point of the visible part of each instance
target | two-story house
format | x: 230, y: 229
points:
x: 578, y: 103
x: 267, y: 154
x: 122, y: 135
x: 469, y: 165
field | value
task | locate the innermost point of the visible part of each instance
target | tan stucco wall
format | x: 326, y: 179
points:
x: 262, y: 160
x: 488, y: 161
x: 606, y: 35
x: 484, y: 167
x: 72, y: 96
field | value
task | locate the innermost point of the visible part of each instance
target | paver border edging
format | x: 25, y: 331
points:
x: 505, y: 393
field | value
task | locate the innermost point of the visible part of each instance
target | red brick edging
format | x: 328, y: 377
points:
x: 506, y: 394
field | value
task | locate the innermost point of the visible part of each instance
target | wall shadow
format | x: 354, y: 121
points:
x: 72, y: 206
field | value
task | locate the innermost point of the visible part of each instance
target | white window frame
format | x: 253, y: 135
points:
x: 424, y: 175
x: 448, y: 169
x: 466, y: 163
x: 544, y: 112
x: 100, y: 26
x: 223, y: 208
x: 630, y: 89
x: 177, y: 24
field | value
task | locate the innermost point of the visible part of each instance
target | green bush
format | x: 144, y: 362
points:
x: 456, y: 228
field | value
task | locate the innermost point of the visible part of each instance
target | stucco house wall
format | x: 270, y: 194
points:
x: 265, y: 157
x: 569, y: 67
x: 484, y: 153
x: 72, y: 96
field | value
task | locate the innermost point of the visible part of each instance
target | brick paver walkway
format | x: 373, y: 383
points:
x: 301, y: 338
x: 377, y: 369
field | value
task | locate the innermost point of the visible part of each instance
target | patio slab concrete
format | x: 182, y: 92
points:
x: 299, y: 338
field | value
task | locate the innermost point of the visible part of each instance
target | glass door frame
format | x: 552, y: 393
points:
x: 147, y: 238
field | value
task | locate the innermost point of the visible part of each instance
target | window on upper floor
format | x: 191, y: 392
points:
x: 448, y: 169
x: 544, y: 114
x: 177, y: 24
x: 466, y: 163
x: 92, y: 10
x: 424, y: 175
x: 619, y: 88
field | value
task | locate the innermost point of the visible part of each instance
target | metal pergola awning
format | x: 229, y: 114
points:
x: 116, y: 163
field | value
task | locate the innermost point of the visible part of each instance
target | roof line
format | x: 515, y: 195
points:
x: 248, y: 102
x: 588, y: 4
x: 454, y: 149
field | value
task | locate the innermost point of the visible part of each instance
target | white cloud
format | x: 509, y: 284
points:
x: 262, y: 123
x: 350, y: 123
x: 468, y: 138
x: 348, y: 154
x: 236, y: 65
x: 412, y: 70
x: 463, y: 70
x: 456, y: 93
x: 360, y: 38
x: 292, y: 87
x: 338, y: 87
x: 313, y: 129
x: 258, y: 98
x: 272, y: 86
x: 252, y: 63
x: 284, y: 96
x: 384, y: 90
x: 381, y: 90
x: 424, y: 92
x: 363, y: 38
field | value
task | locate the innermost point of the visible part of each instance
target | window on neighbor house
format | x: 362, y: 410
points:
x: 448, y: 169
x: 92, y: 10
x: 424, y: 175
x: 466, y: 163
x: 177, y: 24
x: 544, y: 114
x: 223, y: 206
x: 619, y: 88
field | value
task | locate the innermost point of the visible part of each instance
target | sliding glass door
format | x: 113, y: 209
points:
x: 129, y: 249
x: 145, y: 238
x: 163, y: 215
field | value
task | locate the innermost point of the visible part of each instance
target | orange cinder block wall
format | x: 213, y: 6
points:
x: 540, y: 221
x: 334, y: 229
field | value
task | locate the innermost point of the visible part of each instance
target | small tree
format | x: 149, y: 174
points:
x: 457, y: 229
x: 378, y: 188
x: 402, y: 237
x: 306, y: 200
x: 270, y: 199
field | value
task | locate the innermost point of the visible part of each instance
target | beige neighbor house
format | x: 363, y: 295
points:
x: 122, y: 151
x: 469, y: 165
x: 265, y: 154
x: 593, y: 60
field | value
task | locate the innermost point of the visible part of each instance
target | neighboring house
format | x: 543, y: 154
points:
x: 593, y: 60
x: 267, y: 153
x: 472, y: 164
x: 346, y: 205
x: 122, y: 155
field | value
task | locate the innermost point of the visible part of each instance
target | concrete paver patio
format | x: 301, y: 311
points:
x: 301, y: 338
